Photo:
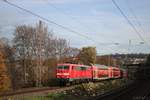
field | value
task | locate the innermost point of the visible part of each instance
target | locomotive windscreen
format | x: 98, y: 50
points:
x: 62, y: 67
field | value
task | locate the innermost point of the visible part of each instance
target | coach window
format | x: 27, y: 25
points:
x: 83, y: 68
x: 66, y: 67
x: 77, y: 68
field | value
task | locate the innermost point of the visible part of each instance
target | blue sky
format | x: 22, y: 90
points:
x: 98, y: 19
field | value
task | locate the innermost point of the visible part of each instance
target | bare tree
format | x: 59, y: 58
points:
x: 35, y: 45
x: 40, y: 47
x: 61, y: 48
x: 50, y: 46
x: 23, y: 44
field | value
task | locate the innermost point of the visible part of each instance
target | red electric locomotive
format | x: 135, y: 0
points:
x: 69, y: 73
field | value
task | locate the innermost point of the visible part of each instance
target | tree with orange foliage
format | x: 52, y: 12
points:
x: 4, y: 79
x: 87, y: 55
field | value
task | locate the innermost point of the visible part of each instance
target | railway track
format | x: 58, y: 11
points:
x: 34, y: 91
x: 37, y: 90
x: 114, y: 93
x: 136, y: 91
x: 146, y: 95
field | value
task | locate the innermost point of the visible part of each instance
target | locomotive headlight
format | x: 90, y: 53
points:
x: 63, y: 74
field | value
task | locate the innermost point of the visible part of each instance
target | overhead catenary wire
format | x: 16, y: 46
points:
x: 61, y: 26
x: 49, y: 21
x: 130, y: 23
x: 68, y: 15
x: 135, y: 17
x: 52, y: 22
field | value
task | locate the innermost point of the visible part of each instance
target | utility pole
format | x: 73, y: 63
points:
x: 129, y: 46
x: 126, y: 59
x: 128, y: 51
x: 109, y: 60
x: 38, y: 52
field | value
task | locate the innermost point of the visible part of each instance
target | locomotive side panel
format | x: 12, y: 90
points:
x: 81, y: 72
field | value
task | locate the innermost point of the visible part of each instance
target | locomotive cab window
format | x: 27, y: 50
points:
x: 63, y: 67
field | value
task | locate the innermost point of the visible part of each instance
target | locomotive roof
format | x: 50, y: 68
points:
x: 101, y: 66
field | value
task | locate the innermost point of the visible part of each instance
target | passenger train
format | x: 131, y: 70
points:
x: 76, y: 73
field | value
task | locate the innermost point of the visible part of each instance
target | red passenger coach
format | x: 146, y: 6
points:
x: 105, y: 72
x: 124, y: 73
x: 73, y: 72
x: 100, y: 72
x: 114, y: 72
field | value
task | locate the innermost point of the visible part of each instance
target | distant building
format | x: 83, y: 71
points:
x: 139, y: 60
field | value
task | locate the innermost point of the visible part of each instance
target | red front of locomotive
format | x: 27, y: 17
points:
x: 63, y: 71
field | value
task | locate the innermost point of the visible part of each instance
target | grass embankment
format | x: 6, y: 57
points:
x: 82, y: 91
